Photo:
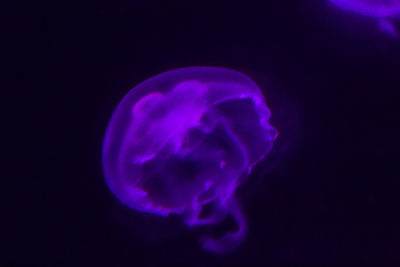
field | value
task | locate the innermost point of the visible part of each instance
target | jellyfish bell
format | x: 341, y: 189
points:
x: 382, y: 10
x: 371, y: 8
x: 182, y: 141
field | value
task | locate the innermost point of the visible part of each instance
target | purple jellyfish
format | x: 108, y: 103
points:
x: 182, y: 141
x: 383, y: 10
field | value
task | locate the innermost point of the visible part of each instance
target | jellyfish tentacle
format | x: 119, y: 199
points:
x: 230, y: 240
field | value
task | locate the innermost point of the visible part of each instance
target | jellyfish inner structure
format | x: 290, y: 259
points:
x: 182, y: 141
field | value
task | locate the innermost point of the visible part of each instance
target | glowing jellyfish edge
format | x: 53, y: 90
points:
x: 382, y: 10
x: 186, y: 139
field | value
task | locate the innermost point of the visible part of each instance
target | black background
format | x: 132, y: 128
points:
x: 328, y: 193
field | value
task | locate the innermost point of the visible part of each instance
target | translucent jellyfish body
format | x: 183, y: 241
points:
x: 182, y: 141
x: 382, y: 10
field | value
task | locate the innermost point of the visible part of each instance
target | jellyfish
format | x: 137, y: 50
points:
x: 382, y: 10
x: 181, y: 143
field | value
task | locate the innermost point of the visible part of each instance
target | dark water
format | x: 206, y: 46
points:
x: 328, y: 193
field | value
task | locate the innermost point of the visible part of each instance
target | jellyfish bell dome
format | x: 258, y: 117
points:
x: 184, y: 140
x: 383, y: 10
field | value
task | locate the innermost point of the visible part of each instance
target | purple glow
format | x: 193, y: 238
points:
x: 186, y: 139
x: 383, y: 10
x: 371, y: 8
